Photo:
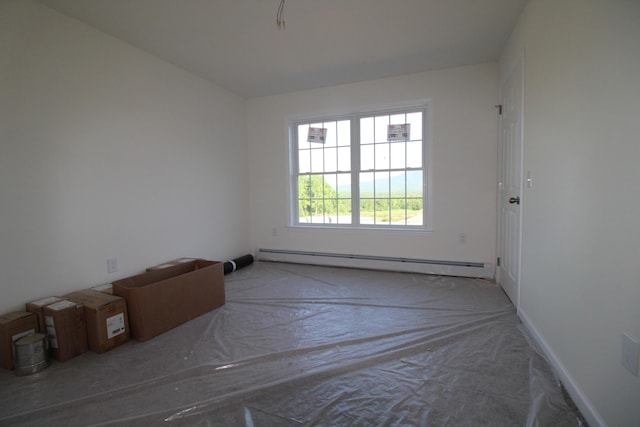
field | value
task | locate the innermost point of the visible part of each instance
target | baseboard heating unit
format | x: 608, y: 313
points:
x: 408, y: 265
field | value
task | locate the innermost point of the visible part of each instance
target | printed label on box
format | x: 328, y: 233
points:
x: 46, y: 301
x: 115, y: 325
x: 165, y: 265
x: 51, y: 331
x: 61, y: 305
x: 16, y: 337
x: 107, y: 287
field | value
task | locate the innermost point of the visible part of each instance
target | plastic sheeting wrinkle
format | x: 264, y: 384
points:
x: 314, y: 346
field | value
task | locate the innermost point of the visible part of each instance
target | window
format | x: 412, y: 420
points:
x: 365, y: 170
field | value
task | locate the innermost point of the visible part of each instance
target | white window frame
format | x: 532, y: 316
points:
x: 427, y: 199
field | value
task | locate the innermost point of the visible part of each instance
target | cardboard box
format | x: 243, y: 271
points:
x: 14, y: 326
x: 106, y: 317
x: 170, y: 263
x: 36, y: 307
x: 66, y: 329
x: 162, y: 299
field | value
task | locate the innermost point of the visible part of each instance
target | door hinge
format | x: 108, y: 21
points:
x: 498, y: 262
x: 499, y: 107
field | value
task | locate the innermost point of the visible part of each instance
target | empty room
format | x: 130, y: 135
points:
x: 319, y: 212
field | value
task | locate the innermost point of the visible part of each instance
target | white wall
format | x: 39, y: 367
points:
x: 106, y: 151
x: 464, y: 165
x: 581, y: 252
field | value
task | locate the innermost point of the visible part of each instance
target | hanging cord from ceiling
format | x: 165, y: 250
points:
x: 280, y: 16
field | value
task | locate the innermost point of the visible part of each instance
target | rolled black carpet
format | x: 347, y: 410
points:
x: 236, y: 263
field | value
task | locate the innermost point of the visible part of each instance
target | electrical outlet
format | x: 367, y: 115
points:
x: 630, y: 350
x: 112, y: 265
x: 462, y: 238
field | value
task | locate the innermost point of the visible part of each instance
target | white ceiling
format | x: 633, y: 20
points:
x: 237, y: 45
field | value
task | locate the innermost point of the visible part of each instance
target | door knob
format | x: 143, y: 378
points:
x: 514, y: 200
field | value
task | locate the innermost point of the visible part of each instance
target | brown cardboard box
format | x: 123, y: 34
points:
x: 66, y: 329
x: 14, y: 326
x: 170, y: 263
x: 106, y: 316
x: 162, y: 299
x: 36, y: 307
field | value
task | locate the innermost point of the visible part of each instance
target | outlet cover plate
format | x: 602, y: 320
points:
x: 112, y: 265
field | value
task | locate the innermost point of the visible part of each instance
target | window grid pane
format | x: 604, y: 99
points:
x: 382, y: 156
x: 414, y: 154
x: 397, y: 155
x: 323, y: 196
x: 367, y: 157
x: 344, y: 133
x: 391, y: 173
x: 381, y: 123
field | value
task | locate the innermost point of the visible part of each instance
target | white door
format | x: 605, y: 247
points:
x: 510, y: 181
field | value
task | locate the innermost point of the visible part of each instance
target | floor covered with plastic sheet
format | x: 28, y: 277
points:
x: 306, y: 345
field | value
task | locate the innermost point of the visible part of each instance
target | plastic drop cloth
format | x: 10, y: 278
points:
x: 306, y: 345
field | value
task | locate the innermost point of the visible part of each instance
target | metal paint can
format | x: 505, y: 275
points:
x: 30, y: 354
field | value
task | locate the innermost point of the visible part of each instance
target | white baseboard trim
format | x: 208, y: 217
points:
x: 408, y: 265
x: 585, y: 406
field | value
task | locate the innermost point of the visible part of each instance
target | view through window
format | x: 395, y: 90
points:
x: 361, y: 170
